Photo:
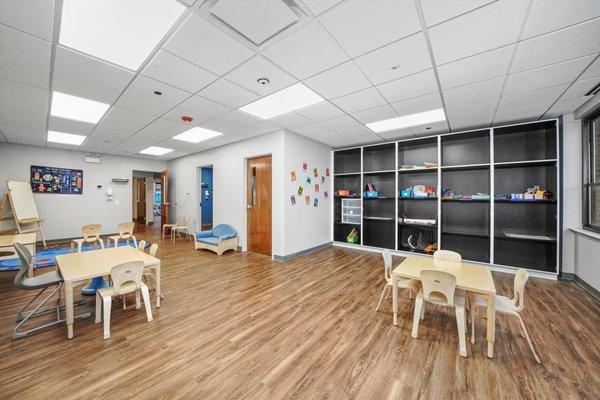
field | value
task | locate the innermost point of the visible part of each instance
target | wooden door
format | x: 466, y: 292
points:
x: 259, y: 204
x: 164, y: 204
x: 141, y: 200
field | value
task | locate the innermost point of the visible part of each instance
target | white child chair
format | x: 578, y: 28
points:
x: 447, y: 255
x: 91, y: 234
x: 125, y: 233
x: 410, y: 284
x: 439, y: 287
x: 184, y: 227
x: 126, y: 278
x: 508, y: 306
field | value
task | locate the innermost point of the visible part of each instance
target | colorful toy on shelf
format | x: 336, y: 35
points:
x: 419, y: 191
x: 343, y: 193
x: 370, y: 192
x: 447, y: 194
x: 480, y: 196
x: 430, y: 248
x: 352, y: 236
x: 407, y: 192
x: 531, y: 194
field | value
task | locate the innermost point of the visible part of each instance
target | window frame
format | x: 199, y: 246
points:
x: 589, y: 147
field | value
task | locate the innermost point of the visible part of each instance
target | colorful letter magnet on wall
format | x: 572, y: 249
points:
x: 316, y: 203
x: 304, y: 166
x: 308, y: 180
x: 315, y: 172
x: 325, y: 194
x: 307, y: 200
x: 293, y: 175
x: 293, y: 200
x: 316, y: 187
x: 300, y: 190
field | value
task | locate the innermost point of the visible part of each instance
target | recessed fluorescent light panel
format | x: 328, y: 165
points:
x: 156, y: 151
x: 77, y: 108
x: 65, y: 138
x: 286, y: 100
x: 123, y: 32
x: 197, y: 135
x: 406, y: 121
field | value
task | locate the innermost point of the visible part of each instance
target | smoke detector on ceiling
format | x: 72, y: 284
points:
x: 263, y: 81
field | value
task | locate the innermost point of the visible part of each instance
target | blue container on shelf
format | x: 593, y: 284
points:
x: 406, y: 192
x: 371, y: 194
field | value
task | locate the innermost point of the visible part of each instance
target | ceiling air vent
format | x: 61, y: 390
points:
x: 593, y: 90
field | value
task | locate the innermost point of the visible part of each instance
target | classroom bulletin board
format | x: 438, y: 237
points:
x: 56, y: 180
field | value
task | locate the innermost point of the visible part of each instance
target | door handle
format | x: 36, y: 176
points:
x: 249, y: 206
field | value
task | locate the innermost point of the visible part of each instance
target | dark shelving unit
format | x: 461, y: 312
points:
x: 347, y: 175
x: 497, y: 161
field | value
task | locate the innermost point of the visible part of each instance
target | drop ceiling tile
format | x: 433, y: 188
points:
x: 162, y: 129
x: 121, y: 123
x: 228, y: 94
x: 306, y: 52
x: 556, y: 74
x: 534, y: 97
x: 566, y: 106
x: 320, y: 112
x: 34, y: 117
x: 239, y: 118
x: 515, y: 115
x: 580, y: 88
x: 317, y: 7
x: 360, y: 100
x: 365, y: 138
x: 80, y: 88
x: 24, y: 48
x: 24, y: 134
x: 436, y: 11
x: 396, y: 60
x: 31, y: 16
x: 338, y: 81
x: 95, y: 145
x: 480, y: 67
x: 416, y: 85
x: 137, y: 103
x: 476, y: 91
x: 199, y: 108
x: 566, y: 44
x: 397, y: 134
x: 136, y: 143
x: 362, y: 25
x: 357, y: 131
x: 471, y: 115
x: 257, y: 20
x: 145, y: 87
x: 341, y: 123
x: 24, y: 73
x: 69, y: 126
x: 547, y: 16
x: 203, y: 44
x: 313, y: 130
x: 375, y: 114
x: 593, y: 71
x: 261, y: 128
x: 291, y: 120
x: 418, y: 104
x: 177, y: 72
x: 486, y: 28
x: 182, y: 146
x: 12, y: 90
x: 247, y: 75
x: 80, y: 66
x: 223, y: 127
x: 430, y: 129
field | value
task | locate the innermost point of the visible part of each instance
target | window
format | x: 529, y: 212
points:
x: 591, y: 129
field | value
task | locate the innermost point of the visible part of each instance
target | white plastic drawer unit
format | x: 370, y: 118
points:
x: 351, y: 211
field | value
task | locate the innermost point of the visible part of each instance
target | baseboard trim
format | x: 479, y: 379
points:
x: 588, y: 288
x: 302, y: 252
x: 567, y: 276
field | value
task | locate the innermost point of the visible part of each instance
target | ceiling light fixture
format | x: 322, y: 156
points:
x: 122, y: 32
x: 407, y: 121
x: 197, y: 135
x: 156, y: 151
x: 77, y: 108
x: 282, y: 102
x: 65, y: 138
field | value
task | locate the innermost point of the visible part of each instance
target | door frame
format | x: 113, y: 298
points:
x: 199, y: 197
x: 245, y: 200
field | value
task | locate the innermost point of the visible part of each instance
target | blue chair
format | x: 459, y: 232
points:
x: 221, y: 238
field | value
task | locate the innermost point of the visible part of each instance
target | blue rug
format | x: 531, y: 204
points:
x: 47, y: 257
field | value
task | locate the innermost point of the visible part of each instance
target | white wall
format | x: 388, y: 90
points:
x: 587, y: 254
x: 229, y: 183
x: 572, y: 188
x: 306, y: 226
x: 65, y: 214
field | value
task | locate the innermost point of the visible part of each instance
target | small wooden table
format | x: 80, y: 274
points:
x: 7, y: 243
x: 77, y: 268
x: 470, y: 277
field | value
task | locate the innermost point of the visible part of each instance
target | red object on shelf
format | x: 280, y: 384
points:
x: 343, y: 193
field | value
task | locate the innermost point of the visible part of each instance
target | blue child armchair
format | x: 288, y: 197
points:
x: 221, y: 238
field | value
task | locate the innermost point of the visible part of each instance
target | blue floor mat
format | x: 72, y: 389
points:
x: 47, y: 257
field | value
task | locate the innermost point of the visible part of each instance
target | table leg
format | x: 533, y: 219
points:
x: 69, y: 306
x: 158, y: 289
x: 395, y: 299
x: 491, y: 324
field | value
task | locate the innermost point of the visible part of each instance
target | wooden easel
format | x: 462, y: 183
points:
x: 3, y: 217
x: 22, y: 223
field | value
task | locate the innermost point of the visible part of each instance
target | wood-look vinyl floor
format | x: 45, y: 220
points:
x: 244, y: 326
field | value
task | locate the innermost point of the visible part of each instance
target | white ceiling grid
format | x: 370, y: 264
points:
x: 485, y: 62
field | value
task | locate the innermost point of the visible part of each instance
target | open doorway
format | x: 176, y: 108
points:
x: 146, y: 190
x: 206, y: 197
